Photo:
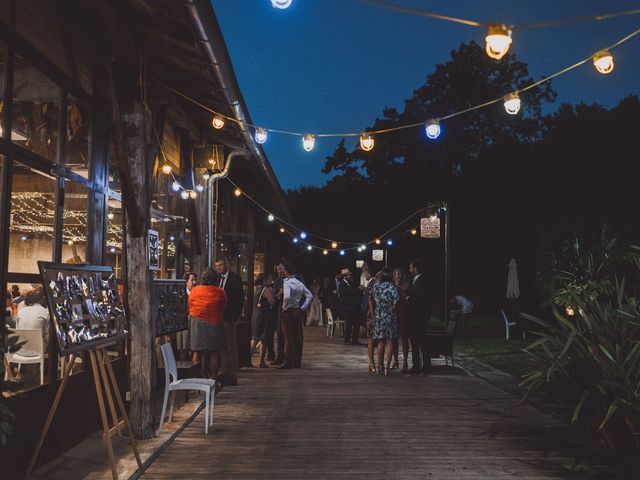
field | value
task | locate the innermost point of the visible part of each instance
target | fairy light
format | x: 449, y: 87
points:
x: 414, y: 231
x: 309, y: 247
x: 498, y: 40
x: 282, y: 230
x: 237, y: 192
x: 193, y: 194
x: 603, y: 61
x: 512, y: 103
x: 261, y: 135
x: 110, y: 216
x: 200, y: 188
x: 334, y: 245
x: 389, y: 242
x: 217, y: 122
x: 295, y: 240
x: 271, y: 217
x: 363, y: 247
x: 366, y: 142
x: 206, y: 176
x: 308, y: 142
x: 184, y: 194
x: 325, y: 252
x: 303, y: 235
x: 166, y: 169
x: 432, y: 128
x: 342, y: 253
x: 377, y: 241
x: 570, y: 311
x: 175, y: 186
x: 281, y: 4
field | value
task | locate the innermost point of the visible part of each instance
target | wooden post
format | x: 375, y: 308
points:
x: 103, y: 414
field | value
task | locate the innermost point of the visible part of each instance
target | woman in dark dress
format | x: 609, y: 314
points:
x: 402, y: 313
x: 261, y: 324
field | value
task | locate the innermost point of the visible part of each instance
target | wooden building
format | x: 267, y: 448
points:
x: 97, y: 96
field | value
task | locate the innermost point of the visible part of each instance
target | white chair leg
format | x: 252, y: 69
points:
x: 173, y: 402
x: 212, y: 401
x: 42, y: 372
x: 506, y: 327
x: 206, y: 413
x: 164, y: 408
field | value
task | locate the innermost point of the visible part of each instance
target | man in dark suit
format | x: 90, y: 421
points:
x: 232, y: 285
x: 419, y: 315
x: 349, y: 307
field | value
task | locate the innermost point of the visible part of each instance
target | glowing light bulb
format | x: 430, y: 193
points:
x: 24, y: 238
x: 334, y: 245
x: 271, y: 217
x: 184, y: 194
x: 308, y: 141
x: 603, y: 61
x: 303, y: 235
x: 193, y: 194
x: 237, y: 192
x: 200, y: 188
x: 112, y: 249
x: 325, y: 252
x: 217, y: 122
x: 366, y: 142
x: 377, y: 241
x: 309, y: 247
x: 570, y: 311
x: 342, y: 253
x: 281, y: 4
x: 166, y: 169
x: 512, y: 103
x: 432, y: 128
x: 389, y: 242
x: 175, y: 186
x: 206, y: 176
x: 261, y: 135
x: 172, y: 238
x: 414, y: 231
x: 282, y: 230
x: 363, y: 247
x: 110, y: 216
x: 498, y: 41
x: 295, y: 240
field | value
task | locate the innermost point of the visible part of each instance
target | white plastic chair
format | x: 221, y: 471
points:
x: 172, y: 384
x: 331, y: 324
x: 508, y: 325
x: 31, y: 352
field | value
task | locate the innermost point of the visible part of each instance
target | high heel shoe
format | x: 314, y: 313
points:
x: 387, y: 371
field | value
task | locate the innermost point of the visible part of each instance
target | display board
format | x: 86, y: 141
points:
x: 84, y: 304
x: 169, y: 306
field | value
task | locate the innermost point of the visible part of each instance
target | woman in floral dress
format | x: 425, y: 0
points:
x: 383, y: 299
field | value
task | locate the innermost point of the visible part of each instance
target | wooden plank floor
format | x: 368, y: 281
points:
x: 333, y: 420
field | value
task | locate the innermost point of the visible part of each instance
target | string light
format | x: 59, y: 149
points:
x: 237, y: 192
x: 363, y: 246
x: 512, y: 103
x: 334, y: 245
x: 271, y: 218
x: 295, y: 240
x: 342, y: 253
x: 308, y: 141
x: 193, y: 194
x: 282, y: 230
x: 175, y: 186
x: 110, y: 216
x: 377, y: 241
x: 432, y: 128
x: 303, y: 235
x: 309, y: 247
x: 200, y: 188
x: 206, y: 176
x: 389, y: 242
x: 166, y: 169
x: 414, y: 231
x: 325, y: 252
x: 366, y: 142
x: 603, y: 61
x: 217, y: 122
x: 281, y: 4
x: 184, y: 195
x: 261, y: 135
x: 498, y: 40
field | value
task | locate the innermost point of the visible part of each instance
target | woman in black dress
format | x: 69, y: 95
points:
x: 261, y: 324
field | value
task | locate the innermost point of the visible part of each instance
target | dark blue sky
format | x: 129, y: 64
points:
x: 332, y: 65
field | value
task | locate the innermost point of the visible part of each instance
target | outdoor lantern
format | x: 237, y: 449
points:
x: 261, y: 135
x: 237, y: 192
x: 309, y: 247
x: 432, y: 127
x: 334, y: 245
x: 281, y: 4
x: 166, y: 169
x: 303, y: 235
x: 512, y: 103
x: 200, y: 188
x: 498, y: 40
x: 175, y: 186
x: 217, y: 122
x: 603, y: 61
x: 184, y: 194
x: 366, y: 142
x: 271, y: 218
x: 342, y: 253
x: 308, y: 142
x: 282, y: 230
x: 193, y: 194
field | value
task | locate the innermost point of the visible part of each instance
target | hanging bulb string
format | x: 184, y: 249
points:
x: 424, y: 13
x: 403, y: 126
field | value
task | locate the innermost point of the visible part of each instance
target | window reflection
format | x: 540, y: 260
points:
x: 36, y: 111
x: 77, y: 149
x: 74, y: 224
x: 113, y: 247
x: 32, y: 219
x: 3, y: 55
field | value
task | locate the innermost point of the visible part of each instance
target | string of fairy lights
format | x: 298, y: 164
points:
x: 498, y: 41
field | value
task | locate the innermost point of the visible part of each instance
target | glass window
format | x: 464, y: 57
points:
x: 114, y: 175
x: 77, y: 149
x: 36, y: 111
x: 3, y: 57
x: 32, y: 219
x: 113, y: 247
x: 74, y: 223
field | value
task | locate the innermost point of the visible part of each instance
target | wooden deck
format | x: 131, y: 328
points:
x: 333, y: 420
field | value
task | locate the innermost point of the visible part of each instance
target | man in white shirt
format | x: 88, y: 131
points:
x: 293, y: 307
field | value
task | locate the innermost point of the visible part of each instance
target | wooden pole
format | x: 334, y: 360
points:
x: 107, y: 390
x: 52, y: 412
x: 103, y: 414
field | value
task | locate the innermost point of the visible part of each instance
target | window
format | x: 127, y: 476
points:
x: 113, y: 247
x: 3, y: 57
x: 74, y: 223
x: 36, y: 111
x: 32, y: 221
x: 77, y: 149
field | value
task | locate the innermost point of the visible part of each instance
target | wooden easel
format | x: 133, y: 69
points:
x: 104, y: 377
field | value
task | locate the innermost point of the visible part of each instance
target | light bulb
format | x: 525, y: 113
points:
x: 303, y: 235
x: 184, y: 194
x: 271, y: 218
x: 363, y: 247
x: 217, y: 122
x: 295, y: 240
x: 175, y: 186
x: 414, y: 231
x: 603, y: 61
x: 389, y: 242
x: 334, y: 245
x: 342, y: 253
x: 281, y: 4
x: 377, y: 241
x: 432, y: 127
x: 325, y: 252
x: 193, y: 194
x: 261, y: 135
x: 498, y: 40
x: 110, y: 216
x: 24, y: 238
x: 237, y: 192
x: 200, y: 188
x: 366, y: 142
x: 282, y: 230
x: 512, y: 103
x: 166, y: 169
x: 206, y: 176
x: 308, y: 142
x: 112, y: 249
x: 309, y: 247
x: 172, y: 238
x: 570, y: 311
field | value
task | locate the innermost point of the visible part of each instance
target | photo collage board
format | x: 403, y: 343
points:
x: 85, y: 305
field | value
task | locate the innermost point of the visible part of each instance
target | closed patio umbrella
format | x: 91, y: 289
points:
x: 513, y: 285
